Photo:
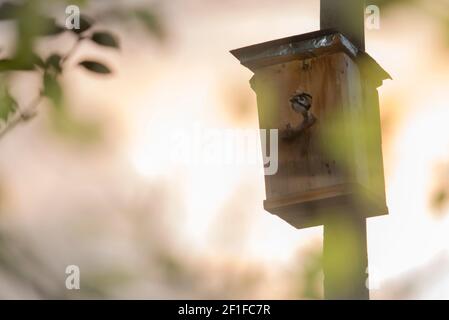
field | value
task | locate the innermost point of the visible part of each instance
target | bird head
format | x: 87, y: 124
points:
x: 301, y: 100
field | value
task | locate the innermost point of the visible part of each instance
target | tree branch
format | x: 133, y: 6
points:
x: 19, y: 116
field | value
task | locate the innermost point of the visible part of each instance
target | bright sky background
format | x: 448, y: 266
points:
x: 194, y: 82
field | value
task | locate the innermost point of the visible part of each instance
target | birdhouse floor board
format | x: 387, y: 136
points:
x: 313, y: 208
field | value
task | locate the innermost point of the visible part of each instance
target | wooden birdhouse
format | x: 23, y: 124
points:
x: 320, y: 92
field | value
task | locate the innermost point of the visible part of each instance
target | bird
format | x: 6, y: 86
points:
x: 300, y: 102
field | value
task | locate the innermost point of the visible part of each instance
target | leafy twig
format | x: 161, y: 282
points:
x: 20, y: 116
x: 51, y: 69
x: 72, y: 50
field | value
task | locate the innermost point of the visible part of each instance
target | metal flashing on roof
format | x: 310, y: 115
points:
x: 304, y: 46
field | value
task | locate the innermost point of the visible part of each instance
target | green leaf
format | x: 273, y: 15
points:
x: 50, y: 27
x: 52, y: 89
x: 19, y: 64
x: 9, y: 11
x: 37, y: 61
x: 85, y: 24
x: 54, y: 61
x: 151, y: 22
x: 105, y: 39
x: 7, y: 105
x: 7, y: 65
x: 80, y: 131
x: 29, y: 27
x: 95, y: 67
x: 439, y: 199
x: 26, y: 62
x: 79, y: 3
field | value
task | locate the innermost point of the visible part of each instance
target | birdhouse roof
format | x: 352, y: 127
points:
x: 305, y: 46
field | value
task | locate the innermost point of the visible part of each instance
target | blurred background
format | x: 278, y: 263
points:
x: 89, y: 181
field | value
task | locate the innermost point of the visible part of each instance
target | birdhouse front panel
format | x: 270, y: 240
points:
x: 329, y: 144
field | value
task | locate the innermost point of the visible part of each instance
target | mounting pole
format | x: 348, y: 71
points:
x: 345, y: 256
x: 346, y: 16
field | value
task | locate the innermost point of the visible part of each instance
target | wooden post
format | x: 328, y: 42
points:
x: 340, y: 188
x: 347, y: 17
x: 345, y: 256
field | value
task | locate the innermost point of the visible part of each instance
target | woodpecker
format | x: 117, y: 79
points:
x: 301, y: 102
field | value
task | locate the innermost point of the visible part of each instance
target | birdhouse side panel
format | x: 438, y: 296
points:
x: 363, y: 136
x: 353, y: 122
x: 374, y: 141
